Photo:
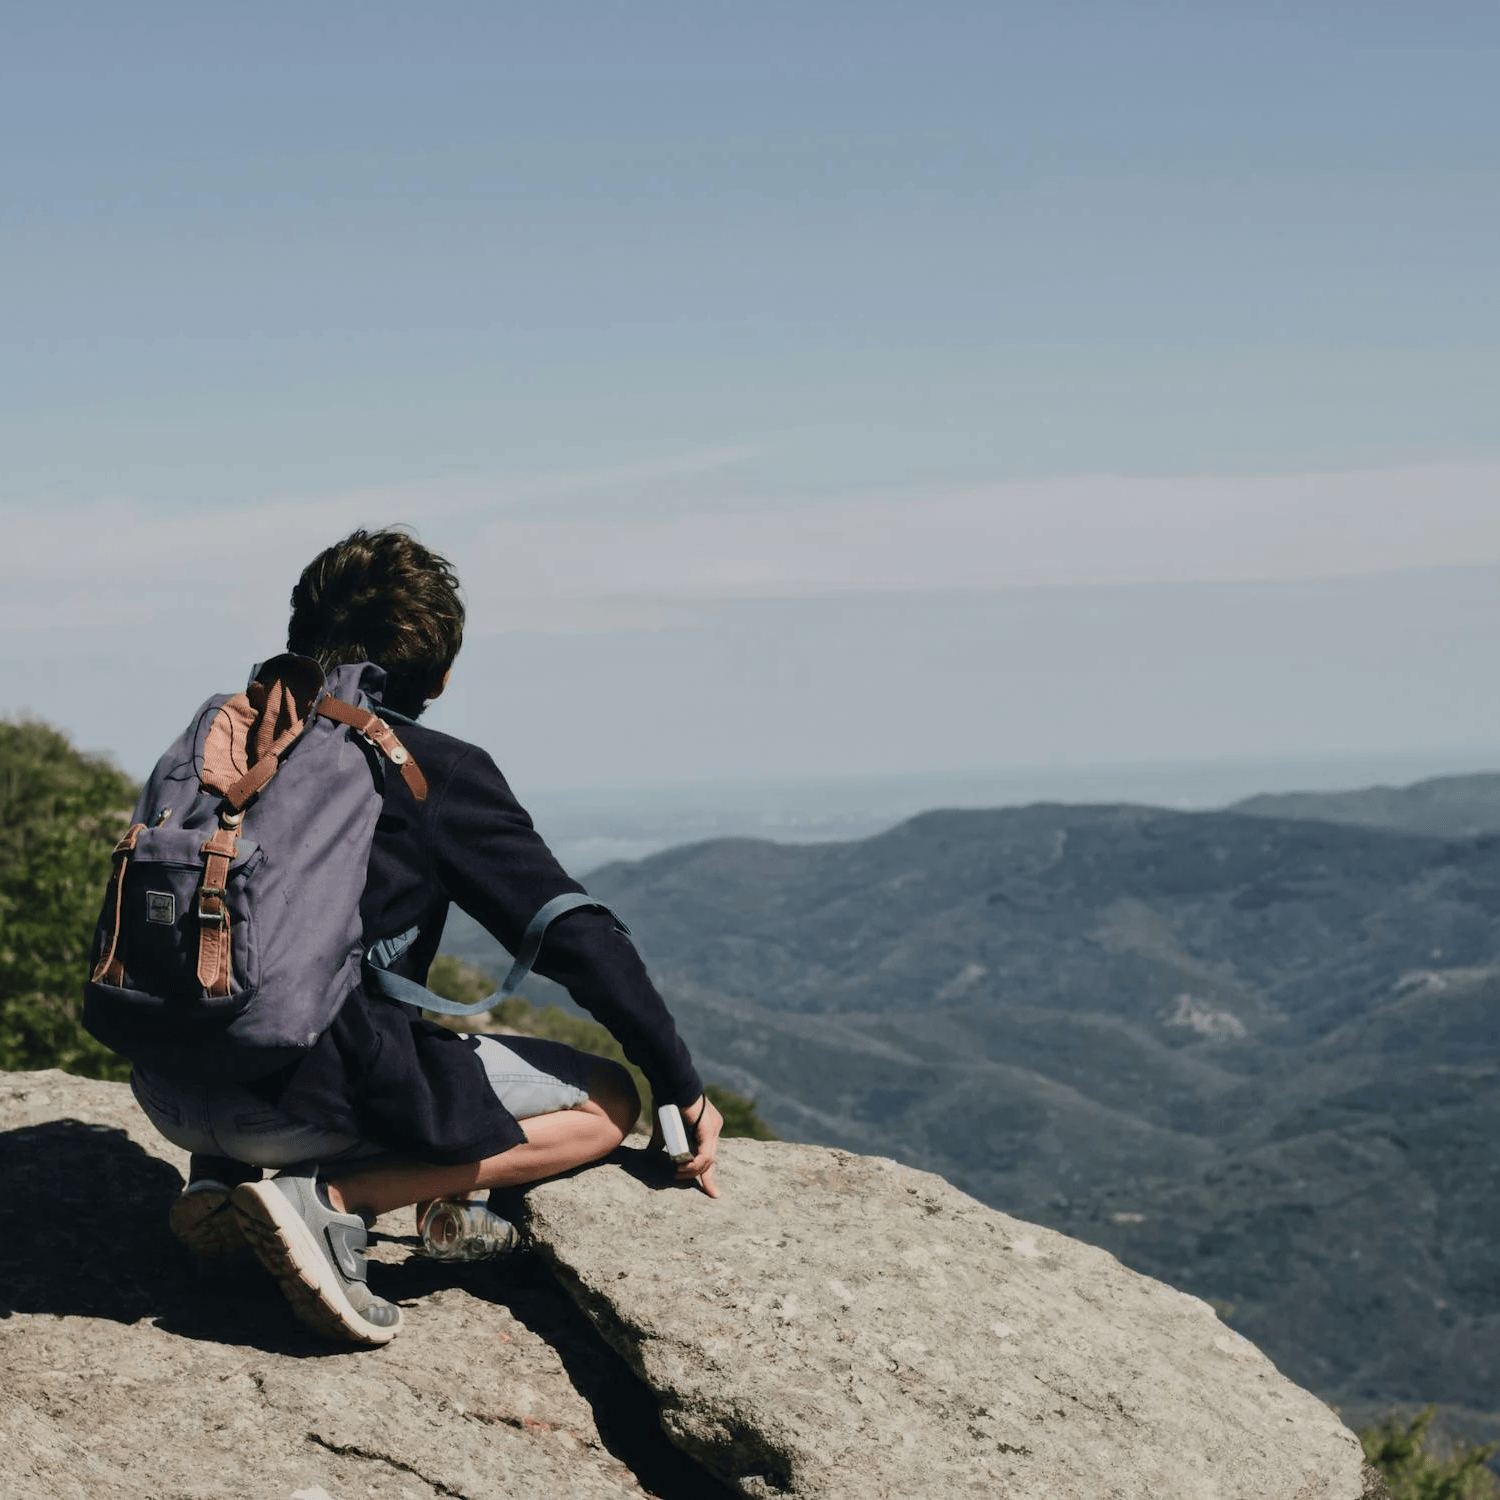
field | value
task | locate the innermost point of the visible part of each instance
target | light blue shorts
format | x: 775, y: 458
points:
x: 530, y: 1076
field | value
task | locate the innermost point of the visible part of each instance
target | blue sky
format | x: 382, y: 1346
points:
x: 738, y: 333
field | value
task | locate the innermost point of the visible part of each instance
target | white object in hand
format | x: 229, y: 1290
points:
x: 673, y: 1136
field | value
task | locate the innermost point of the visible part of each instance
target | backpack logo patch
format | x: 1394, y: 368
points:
x: 161, y: 906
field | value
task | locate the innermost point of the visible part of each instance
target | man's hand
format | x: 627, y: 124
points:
x: 703, y: 1123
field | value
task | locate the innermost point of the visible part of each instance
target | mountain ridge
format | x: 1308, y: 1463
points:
x: 1446, y: 806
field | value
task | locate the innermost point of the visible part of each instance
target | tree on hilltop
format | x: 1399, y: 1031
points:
x: 61, y: 812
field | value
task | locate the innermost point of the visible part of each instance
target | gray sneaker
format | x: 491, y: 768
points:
x: 317, y: 1255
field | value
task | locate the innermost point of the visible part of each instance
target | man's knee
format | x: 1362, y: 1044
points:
x: 613, y: 1089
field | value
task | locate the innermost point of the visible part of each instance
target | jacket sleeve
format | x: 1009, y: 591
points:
x: 494, y: 864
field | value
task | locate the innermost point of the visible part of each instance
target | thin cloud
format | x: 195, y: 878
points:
x: 114, y: 535
x: 1063, y: 532
x: 117, y: 560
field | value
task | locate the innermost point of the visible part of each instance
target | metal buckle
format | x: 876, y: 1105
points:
x: 212, y: 918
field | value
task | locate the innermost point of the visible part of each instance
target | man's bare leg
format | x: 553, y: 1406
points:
x: 554, y: 1143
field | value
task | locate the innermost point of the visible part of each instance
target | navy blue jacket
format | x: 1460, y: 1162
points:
x: 387, y: 1075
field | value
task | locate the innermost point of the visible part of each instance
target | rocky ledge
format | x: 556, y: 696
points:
x: 835, y: 1325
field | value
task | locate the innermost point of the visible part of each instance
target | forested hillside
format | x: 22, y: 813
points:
x: 61, y: 812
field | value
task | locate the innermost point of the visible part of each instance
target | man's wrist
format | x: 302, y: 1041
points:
x: 687, y: 1092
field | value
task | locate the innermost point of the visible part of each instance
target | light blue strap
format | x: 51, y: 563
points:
x: 384, y: 953
x: 394, y: 987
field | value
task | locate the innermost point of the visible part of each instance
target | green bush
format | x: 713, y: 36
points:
x: 739, y: 1113
x: 61, y: 813
x: 455, y: 980
x: 1399, y: 1450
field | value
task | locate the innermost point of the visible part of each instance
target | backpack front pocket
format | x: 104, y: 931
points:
x: 163, y: 917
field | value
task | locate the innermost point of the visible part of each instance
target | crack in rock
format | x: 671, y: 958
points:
x: 502, y: 1417
x: 730, y: 1444
x: 354, y: 1450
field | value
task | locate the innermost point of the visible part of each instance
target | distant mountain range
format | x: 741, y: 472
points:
x: 1253, y: 1052
x: 588, y: 828
x: 1448, y: 806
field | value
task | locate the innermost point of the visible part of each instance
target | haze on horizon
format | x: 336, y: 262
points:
x: 802, y: 391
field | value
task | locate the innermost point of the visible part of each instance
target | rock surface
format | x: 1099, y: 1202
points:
x: 834, y: 1325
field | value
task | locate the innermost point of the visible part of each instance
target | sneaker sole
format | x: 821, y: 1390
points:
x: 285, y: 1246
x: 206, y: 1223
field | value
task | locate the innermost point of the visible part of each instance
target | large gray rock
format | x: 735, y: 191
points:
x: 839, y: 1325
x: 834, y: 1325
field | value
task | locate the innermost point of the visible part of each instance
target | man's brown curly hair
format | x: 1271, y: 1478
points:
x: 381, y: 596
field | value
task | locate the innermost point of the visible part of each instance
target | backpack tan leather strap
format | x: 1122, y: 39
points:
x: 109, y: 968
x: 213, y: 914
x: 382, y: 737
x: 255, y: 779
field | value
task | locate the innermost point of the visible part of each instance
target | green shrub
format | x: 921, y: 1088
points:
x: 739, y: 1113
x: 61, y: 813
x: 1399, y: 1450
x: 455, y: 980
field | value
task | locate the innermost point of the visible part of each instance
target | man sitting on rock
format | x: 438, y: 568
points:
x: 394, y: 1109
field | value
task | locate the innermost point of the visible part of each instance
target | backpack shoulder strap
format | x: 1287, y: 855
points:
x: 394, y: 987
x: 380, y: 734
